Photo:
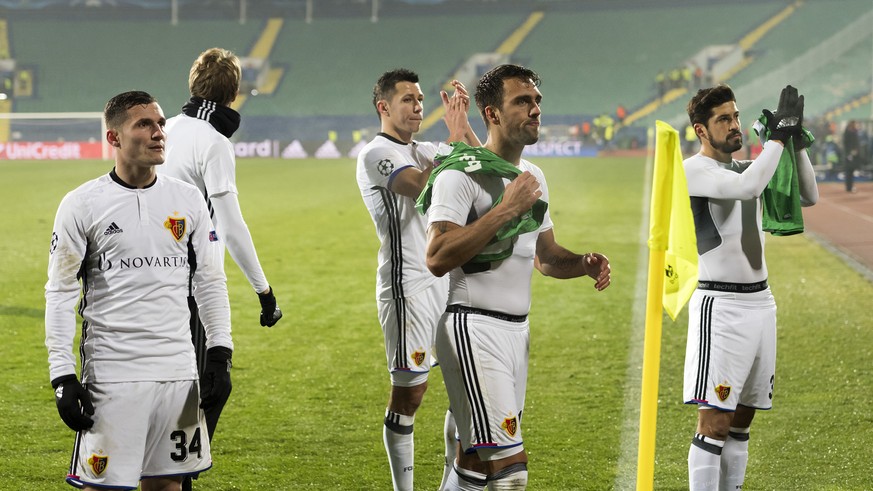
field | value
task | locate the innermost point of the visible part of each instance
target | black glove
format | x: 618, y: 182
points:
x: 270, y: 313
x: 74, y: 403
x: 788, y: 119
x: 215, y: 383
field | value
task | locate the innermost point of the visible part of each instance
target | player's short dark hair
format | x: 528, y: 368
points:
x: 115, y: 112
x: 489, y: 90
x: 701, y: 105
x: 386, y: 86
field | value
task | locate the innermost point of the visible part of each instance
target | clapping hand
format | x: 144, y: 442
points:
x: 787, y: 122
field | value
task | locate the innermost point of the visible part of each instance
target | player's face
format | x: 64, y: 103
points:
x: 404, y: 112
x: 722, y: 131
x: 520, y: 114
x: 140, y: 140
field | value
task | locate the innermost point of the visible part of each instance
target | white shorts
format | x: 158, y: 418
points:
x: 141, y: 430
x: 484, y: 364
x: 408, y: 325
x: 730, y: 357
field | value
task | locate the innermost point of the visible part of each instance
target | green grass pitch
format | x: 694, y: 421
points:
x: 309, y: 394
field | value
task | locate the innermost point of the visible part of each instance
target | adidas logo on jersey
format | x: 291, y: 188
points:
x: 112, y: 229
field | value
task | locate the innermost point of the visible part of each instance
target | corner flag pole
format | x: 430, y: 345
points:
x: 672, y: 279
x: 651, y: 366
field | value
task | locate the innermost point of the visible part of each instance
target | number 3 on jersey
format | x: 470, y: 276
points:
x: 473, y: 164
x: 183, y: 448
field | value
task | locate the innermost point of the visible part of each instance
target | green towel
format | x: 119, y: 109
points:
x: 781, y: 198
x: 479, y: 160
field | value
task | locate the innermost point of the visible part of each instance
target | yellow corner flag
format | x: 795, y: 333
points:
x: 672, y: 279
x: 671, y: 224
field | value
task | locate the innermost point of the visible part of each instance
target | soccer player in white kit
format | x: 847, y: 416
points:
x: 128, y: 241
x: 391, y: 172
x: 483, y: 337
x: 730, y: 361
x: 200, y: 152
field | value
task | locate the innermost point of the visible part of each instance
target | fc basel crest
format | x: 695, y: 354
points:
x: 510, y: 425
x: 417, y: 357
x: 176, y: 226
x: 722, y: 391
x: 98, y: 463
x: 385, y: 167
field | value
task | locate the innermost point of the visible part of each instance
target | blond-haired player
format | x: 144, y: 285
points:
x: 199, y: 151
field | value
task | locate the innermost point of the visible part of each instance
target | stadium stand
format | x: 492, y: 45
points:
x: 593, y: 55
x: 844, y: 85
x: 329, y: 77
x: 810, y: 24
x: 603, y: 58
x: 332, y: 64
x: 81, y: 63
x: 261, y: 51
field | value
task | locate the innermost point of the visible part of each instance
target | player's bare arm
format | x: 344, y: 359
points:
x: 461, y: 91
x: 456, y: 119
x: 450, y: 245
x: 410, y: 181
x: 554, y: 260
x: 456, y: 116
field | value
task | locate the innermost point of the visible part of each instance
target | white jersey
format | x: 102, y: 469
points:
x: 131, y: 249
x: 402, y: 271
x: 461, y: 198
x: 198, y: 154
x: 726, y: 203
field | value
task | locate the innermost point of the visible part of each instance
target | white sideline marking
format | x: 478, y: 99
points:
x: 626, y: 477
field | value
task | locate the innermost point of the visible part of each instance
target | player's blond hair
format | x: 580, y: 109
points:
x: 215, y: 76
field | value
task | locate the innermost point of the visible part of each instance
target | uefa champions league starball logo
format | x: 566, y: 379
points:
x: 385, y: 167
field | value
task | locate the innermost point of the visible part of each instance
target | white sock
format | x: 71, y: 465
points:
x: 734, y: 458
x: 512, y: 478
x: 704, y: 463
x: 399, y: 444
x: 464, y: 480
x: 451, y: 440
